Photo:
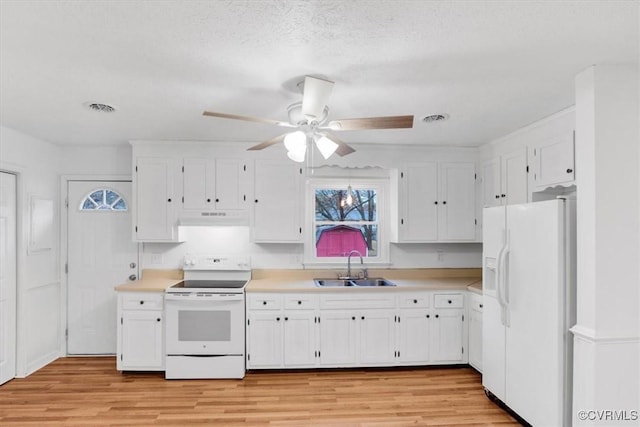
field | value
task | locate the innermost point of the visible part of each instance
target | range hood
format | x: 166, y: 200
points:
x: 199, y: 218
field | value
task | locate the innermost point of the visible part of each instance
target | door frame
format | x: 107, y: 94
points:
x: 21, y: 250
x: 64, y: 245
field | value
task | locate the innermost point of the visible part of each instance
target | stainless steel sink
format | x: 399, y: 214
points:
x: 332, y: 282
x: 326, y: 283
x: 372, y: 282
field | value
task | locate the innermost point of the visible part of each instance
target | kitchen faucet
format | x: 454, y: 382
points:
x: 349, y: 262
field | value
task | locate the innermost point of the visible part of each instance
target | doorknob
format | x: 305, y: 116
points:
x: 132, y: 265
x: 132, y: 277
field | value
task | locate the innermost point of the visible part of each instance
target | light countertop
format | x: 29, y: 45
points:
x: 302, y: 280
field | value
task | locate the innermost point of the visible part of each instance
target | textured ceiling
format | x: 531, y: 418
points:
x: 494, y: 66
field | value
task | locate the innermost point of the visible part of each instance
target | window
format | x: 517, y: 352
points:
x: 103, y: 200
x: 346, y: 217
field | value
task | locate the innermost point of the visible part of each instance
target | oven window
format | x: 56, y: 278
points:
x: 204, y: 325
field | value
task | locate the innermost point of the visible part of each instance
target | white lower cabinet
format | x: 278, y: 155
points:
x: 343, y: 329
x: 140, y: 331
x: 475, y: 331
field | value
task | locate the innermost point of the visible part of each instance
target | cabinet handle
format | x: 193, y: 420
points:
x: 208, y: 200
x: 264, y: 303
x: 569, y: 170
x: 481, y: 305
x: 362, y: 317
x: 444, y: 202
x: 435, y: 203
x: 169, y: 200
x: 278, y: 319
x: 158, y: 319
x: 497, y: 196
x: 256, y: 200
x: 503, y: 195
x: 141, y: 302
x: 449, y: 301
x: 415, y: 301
x: 286, y: 318
x: 353, y: 317
x: 217, y: 200
x: 428, y: 316
x: 437, y: 316
x: 299, y: 302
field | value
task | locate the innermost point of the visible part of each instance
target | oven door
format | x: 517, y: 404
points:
x: 204, y: 324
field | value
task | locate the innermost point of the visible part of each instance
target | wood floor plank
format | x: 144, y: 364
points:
x: 78, y: 391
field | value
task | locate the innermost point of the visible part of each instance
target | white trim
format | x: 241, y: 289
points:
x: 590, y: 335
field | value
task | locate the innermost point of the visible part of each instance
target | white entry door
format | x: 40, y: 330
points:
x: 101, y: 255
x: 7, y: 277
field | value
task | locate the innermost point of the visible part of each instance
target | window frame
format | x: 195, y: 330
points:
x: 381, y: 186
x: 104, y: 190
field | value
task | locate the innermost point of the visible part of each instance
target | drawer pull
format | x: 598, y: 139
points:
x: 428, y: 316
x: 449, y: 301
x: 569, y: 170
x: 286, y: 318
x: 141, y: 302
x: 353, y: 317
x: 158, y: 319
x: 299, y: 302
x: 437, y: 316
x: 278, y: 319
x: 264, y: 303
x: 415, y: 301
x: 480, y: 305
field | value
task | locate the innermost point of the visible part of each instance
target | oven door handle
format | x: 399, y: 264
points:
x: 216, y: 298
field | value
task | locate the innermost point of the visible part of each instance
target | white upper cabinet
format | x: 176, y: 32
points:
x: 277, y: 202
x: 456, y: 219
x: 553, y: 163
x: 154, y: 200
x: 504, y: 179
x: 214, y: 184
x: 436, y: 202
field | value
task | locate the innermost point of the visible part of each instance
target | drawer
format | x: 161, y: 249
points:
x: 475, y: 302
x: 448, y: 300
x: 356, y: 300
x: 265, y: 302
x: 416, y: 300
x: 142, y: 300
x: 300, y: 302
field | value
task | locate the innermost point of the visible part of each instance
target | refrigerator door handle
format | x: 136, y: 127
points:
x: 504, y: 281
x: 499, y: 279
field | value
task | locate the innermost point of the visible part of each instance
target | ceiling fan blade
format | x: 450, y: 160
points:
x: 269, y: 143
x: 388, y: 122
x: 247, y: 118
x: 343, y: 149
x: 315, y: 96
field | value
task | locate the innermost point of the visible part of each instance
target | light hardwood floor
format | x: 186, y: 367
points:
x: 89, y: 391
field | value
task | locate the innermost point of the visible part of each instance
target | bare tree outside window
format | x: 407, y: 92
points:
x: 342, y: 227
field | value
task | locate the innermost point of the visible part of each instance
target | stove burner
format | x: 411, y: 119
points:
x: 211, y: 284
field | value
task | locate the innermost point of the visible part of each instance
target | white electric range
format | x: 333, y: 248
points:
x: 204, y: 332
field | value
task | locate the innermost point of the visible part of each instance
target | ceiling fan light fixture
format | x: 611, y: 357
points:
x: 296, y: 145
x: 326, y: 146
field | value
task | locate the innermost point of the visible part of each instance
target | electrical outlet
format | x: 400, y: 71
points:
x: 440, y: 253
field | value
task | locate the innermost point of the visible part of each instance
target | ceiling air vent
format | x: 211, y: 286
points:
x: 435, y: 118
x: 102, y: 108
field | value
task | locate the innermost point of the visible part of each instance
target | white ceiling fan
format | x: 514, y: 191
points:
x: 310, y: 119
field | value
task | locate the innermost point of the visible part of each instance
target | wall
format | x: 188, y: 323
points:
x: 237, y: 239
x: 96, y: 160
x: 39, y: 294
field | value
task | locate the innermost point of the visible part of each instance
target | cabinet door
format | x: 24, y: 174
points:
x: 337, y: 338
x: 456, y: 220
x: 447, y: 333
x: 230, y: 184
x: 377, y: 337
x: 198, y: 184
x: 514, y: 178
x: 475, y: 339
x: 300, y: 345
x: 264, y: 340
x: 419, y: 218
x: 154, y: 200
x: 491, y: 183
x: 414, y: 336
x: 554, y: 163
x: 277, y: 202
x: 142, y: 340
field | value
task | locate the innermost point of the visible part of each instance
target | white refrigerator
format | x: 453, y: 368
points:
x: 528, y: 259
